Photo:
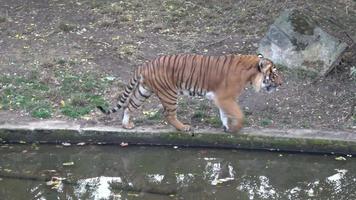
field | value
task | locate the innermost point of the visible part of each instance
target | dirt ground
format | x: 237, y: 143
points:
x: 108, y: 39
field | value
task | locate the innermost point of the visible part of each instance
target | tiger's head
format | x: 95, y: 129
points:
x: 269, y: 77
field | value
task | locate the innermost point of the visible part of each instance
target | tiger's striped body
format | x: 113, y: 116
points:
x: 220, y: 78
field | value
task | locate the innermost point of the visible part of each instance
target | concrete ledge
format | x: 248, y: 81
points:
x: 292, y: 140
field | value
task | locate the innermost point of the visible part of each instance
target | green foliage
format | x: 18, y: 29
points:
x: 154, y: 115
x: 43, y: 110
x: 72, y: 94
x: 199, y: 114
x: 214, y: 121
x: 66, y: 27
x: 2, y: 19
x: 25, y: 93
x: 266, y: 122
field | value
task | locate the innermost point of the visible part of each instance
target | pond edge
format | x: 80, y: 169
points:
x: 286, y: 140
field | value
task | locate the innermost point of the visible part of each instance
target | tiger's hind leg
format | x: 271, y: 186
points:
x: 170, y: 111
x: 126, y: 120
x: 140, y: 94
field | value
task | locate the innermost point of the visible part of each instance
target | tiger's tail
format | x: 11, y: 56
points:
x: 124, y: 97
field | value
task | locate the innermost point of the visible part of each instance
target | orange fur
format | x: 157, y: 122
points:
x: 223, y: 76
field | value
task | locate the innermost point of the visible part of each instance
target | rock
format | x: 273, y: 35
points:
x: 296, y: 41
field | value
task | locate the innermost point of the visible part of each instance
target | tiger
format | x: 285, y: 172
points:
x: 218, y: 78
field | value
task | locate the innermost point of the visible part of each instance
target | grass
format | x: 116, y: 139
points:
x: 72, y: 94
x: 266, y: 122
x: 154, y: 115
x: 66, y: 27
x: 127, y: 50
x: 43, y: 110
x: 2, y: 19
x: 214, y: 121
x: 203, y: 113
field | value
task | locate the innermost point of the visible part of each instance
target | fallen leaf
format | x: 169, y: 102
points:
x: 124, y: 144
x: 62, y: 103
x: 66, y: 144
x: 8, y: 170
x: 340, y: 158
x: 55, y: 182
x: 68, y: 164
x: 133, y: 194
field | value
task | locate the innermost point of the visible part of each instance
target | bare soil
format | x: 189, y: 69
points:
x: 110, y: 38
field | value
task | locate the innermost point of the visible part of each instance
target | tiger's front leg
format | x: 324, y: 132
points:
x: 230, y: 114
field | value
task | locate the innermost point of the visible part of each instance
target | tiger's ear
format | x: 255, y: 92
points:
x: 262, y: 64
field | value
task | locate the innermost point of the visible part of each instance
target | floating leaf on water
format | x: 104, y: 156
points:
x: 133, y: 194
x: 222, y: 180
x: 340, y: 158
x: 124, y: 144
x: 68, y: 164
x: 81, y: 144
x: 49, y: 171
x: 7, y: 170
x: 34, y: 146
x: 55, y: 182
x: 66, y: 144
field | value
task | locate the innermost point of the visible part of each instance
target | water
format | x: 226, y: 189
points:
x: 113, y: 172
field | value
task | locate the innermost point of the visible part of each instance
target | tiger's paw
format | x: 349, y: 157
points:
x: 129, y: 125
x: 185, y: 128
x: 231, y: 130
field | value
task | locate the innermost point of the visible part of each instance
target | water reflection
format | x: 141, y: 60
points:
x: 161, y: 173
x: 95, y: 188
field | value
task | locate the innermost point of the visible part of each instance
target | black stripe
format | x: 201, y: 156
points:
x: 143, y: 95
x: 170, y: 110
x: 173, y: 67
x: 165, y: 81
x: 200, y: 79
x: 133, y: 104
x: 125, y: 95
x: 159, y: 89
x: 102, y: 110
x: 130, y: 87
x: 122, y: 100
x: 177, y: 69
x: 183, y: 72
x: 206, y: 73
x: 127, y: 90
x: 222, y: 67
x: 191, y: 76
